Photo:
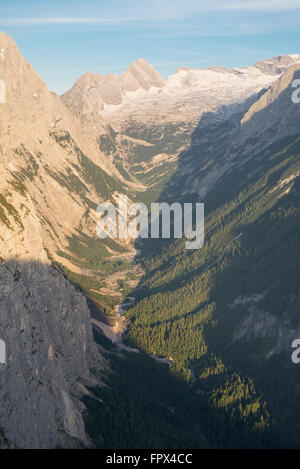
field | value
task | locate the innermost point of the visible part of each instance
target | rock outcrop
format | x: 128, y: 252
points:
x: 277, y: 65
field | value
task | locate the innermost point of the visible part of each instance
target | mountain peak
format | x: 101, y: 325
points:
x: 9, y: 52
x: 141, y: 74
x: 141, y: 61
x: 5, y: 38
x: 278, y: 64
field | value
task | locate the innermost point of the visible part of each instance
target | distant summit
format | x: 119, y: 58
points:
x: 91, y: 92
x: 278, y: 64
x: 141, y: 74
x: 141, y: 92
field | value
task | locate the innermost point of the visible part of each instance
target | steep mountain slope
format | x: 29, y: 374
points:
x: 274, y: 116
x: 44, y: 146
x: 228, y: 313
x: 49, y: 188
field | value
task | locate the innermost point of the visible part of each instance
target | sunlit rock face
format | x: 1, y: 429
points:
x: 44, y: 320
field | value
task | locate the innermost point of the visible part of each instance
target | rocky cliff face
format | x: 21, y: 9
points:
x: 50, y: 350
x: 275, y: 115
x: 44, y: 320
x: 44, y: 149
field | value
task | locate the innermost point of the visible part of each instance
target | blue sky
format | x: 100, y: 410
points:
x: 64, y: 39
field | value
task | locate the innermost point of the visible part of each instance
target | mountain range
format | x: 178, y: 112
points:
x: 223, y: 317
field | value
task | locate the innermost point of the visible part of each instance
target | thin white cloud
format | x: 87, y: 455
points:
x: 189, y: 7
x: 271, y: 5
x: 157, y: 10
x: 75, y: 20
